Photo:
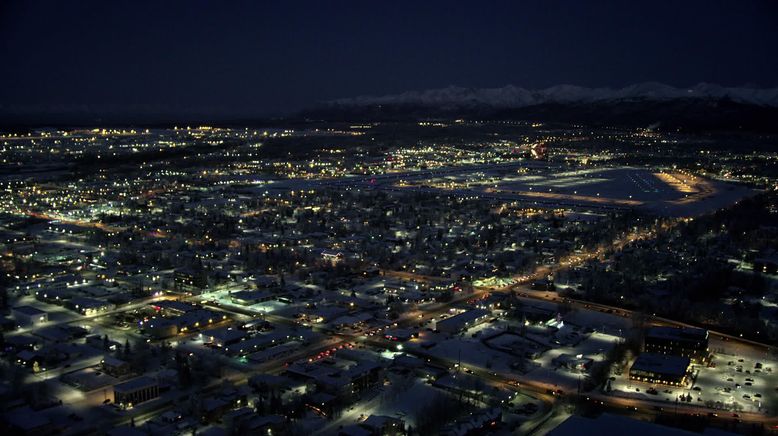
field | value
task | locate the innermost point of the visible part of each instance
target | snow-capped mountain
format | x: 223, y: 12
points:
x: 704, y: 107
x: 515, y: 97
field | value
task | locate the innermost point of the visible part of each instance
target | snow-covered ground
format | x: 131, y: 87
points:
x: 722, y: 387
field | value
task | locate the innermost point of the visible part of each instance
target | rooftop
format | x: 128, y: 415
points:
x: 464, y: 317
x: 679, y: 334
x: 581, y: 426
x: 135, y: 384
x: 661, y: 363
x: 28, y: 310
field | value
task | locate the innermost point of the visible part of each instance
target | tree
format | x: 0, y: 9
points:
x: 139, y: 359
x: 275, y: 403
x: 3, y: 297
x: 164, y: 351
x: 183, y: 369
x: 127, y: 349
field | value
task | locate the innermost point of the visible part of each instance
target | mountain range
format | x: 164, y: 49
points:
x: 512, y: 96
x: 702, y: 106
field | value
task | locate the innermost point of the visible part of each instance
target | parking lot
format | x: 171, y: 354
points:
x: 730, y: 383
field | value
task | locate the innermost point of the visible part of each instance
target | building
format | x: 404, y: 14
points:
x: 223, y: 336
x: 27, y: 358
x: 248, y: 298
x: 160, y: 328
x: 249, y: 422
x: 28, y: 422
x: 766, y: 265
x: 331, y: 256
x: 261, y: 342
x: 265, y: 282
x: 197, y: 319
x: 401, y: 335
x: 135, y: 391
x: 341, y: 382
x: 55, y: 296
x: 464, y: 320
x: 187, y: 280
x: 115, y: 367
x: 660, y: 368
x: 89, y: 306
x: 608, y: 423
x: 375, y: 425
x: 573, y: 363
x: 384, y: 425
x: 29, y: 316
x: 480, y: 422
x: 173, y: 308
x: 685, y: 342
x: 275, y: 352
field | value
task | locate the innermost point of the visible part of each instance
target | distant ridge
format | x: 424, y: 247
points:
x: 703, y: 107
x: 514, y: 97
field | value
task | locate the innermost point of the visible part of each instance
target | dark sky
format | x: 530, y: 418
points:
x: 255, y: 58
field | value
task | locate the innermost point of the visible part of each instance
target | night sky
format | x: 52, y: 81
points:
x: 232, y: 58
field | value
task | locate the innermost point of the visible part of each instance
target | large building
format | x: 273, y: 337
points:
x: 115, y: 367
x: 464, y: 320
x: 29, y: 316
x: 89, y: 306
x: 247, y: 298
x: 190, y: 281
x: 224, y: 336
x: 608, y: 423
x: 685, y: 342
x: 135, y: 391
x: 660, y: 368
x: 336, y: 379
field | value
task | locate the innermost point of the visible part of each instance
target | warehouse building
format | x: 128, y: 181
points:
x: 29, y: 316
x: 660, y: 368
x: 464, y: 320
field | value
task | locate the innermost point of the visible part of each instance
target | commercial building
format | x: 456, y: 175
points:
x: 375, y: 425
x: 479, y: 422
x: 135, y: 391
x: 343, y: 381
x: 660, y: 368
x: 89, y: 306
x: 29, y: 316
x: 223, y: 336
x: 173, y: 308
x: 464, y: 320
x: 55, y: 296
x: 573, y: 363
x: 115, y: 367
x: 607, y: 423
x: 247, y: 298
x: 263, y: 341
x: 190, y: 281
x: 685, y: 342
x: 28, y: 422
